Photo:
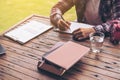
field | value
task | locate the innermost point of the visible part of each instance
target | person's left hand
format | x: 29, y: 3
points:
x: 82, y: 33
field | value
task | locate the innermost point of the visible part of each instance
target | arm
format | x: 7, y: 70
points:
x: 105, y: 27
x: 59, y: 9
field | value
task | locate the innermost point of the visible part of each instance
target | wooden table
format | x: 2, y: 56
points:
x: 20, y: 61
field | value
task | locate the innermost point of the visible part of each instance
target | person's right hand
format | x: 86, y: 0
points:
x: 63, y: 25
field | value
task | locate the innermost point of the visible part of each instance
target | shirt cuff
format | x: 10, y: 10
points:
x: 99, y: 28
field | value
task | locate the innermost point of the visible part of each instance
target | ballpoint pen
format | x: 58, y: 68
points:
x: 66, y: 23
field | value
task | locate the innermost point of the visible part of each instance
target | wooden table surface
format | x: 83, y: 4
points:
x: 20, y: 61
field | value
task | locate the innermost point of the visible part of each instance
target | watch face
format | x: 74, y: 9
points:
x: 2, y: 50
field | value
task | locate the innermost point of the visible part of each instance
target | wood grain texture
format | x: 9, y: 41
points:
x: 20, y: 61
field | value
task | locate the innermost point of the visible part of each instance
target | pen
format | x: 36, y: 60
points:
x: 66, y: 22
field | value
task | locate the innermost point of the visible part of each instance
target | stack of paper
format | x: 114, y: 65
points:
x: 27, y: 31
x: 74, y: 26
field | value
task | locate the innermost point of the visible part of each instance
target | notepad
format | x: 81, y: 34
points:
x: 74, y: 26
x: 67, y: 55
x: 62, y: 57
x: 27, y: 31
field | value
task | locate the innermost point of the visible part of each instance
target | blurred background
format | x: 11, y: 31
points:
x: 13, y: 11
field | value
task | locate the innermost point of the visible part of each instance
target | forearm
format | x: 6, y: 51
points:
x: 114, y: 16
x: 59, y: 9
x: 105, y: 27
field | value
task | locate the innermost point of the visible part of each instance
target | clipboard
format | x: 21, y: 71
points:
x: 27, y: 29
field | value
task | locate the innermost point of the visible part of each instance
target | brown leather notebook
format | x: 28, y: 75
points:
x: 65, y: 56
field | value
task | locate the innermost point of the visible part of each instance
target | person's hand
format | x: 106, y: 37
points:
x: 63, y: 25
x: 82, y: 33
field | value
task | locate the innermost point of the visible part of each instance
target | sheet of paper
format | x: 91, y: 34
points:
x: 74, y: 26
x: 27, y: 31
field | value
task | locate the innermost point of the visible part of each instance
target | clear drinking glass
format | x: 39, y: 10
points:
x: 96, y: 41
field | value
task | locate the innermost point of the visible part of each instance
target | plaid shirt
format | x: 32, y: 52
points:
x: 109, y: 11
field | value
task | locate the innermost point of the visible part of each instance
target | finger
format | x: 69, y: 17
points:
x: 76, y: 31
x: 65, y: 24
x: 78, y: 35
x: 60, y: 25
x: 68, y: 23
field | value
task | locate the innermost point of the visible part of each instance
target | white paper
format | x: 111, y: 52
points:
x: 74, y: 26
x: 27, y: 31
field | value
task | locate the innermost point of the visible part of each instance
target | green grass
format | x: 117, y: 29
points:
x: 13, y: 11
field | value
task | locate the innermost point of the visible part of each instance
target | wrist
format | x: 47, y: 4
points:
x: 54, y: 19
x: 92, y: 30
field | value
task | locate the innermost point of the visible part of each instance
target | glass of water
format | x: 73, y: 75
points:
x: 96, y: 41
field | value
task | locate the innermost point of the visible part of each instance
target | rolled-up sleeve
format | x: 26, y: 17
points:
x: 115, y: 15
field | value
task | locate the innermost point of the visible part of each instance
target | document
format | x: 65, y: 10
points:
x: 74, y: 26
x: 27, y: 31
